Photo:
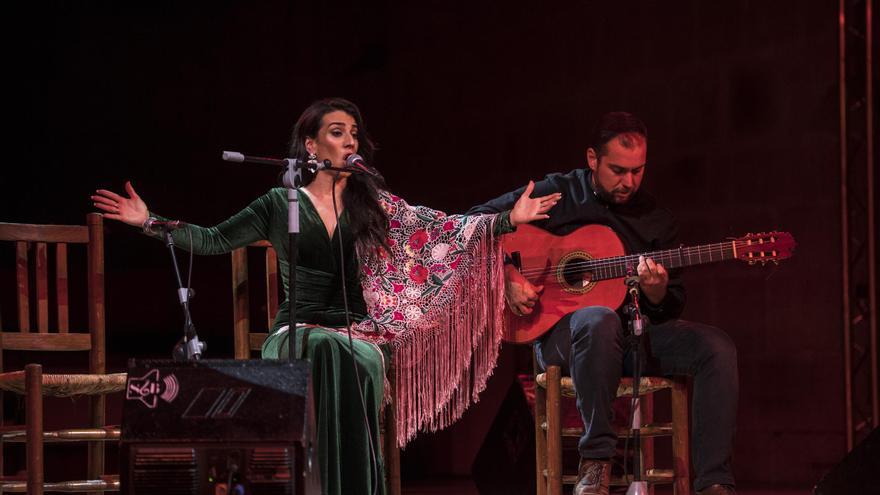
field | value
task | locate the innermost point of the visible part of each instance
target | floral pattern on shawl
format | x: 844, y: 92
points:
x: 436, y: 299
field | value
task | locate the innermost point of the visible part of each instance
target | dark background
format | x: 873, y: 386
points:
x: 467, y: 101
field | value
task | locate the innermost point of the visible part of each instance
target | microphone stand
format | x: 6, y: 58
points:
x: 638, y: 486
x: 189, y: 348
x: 292, y: 180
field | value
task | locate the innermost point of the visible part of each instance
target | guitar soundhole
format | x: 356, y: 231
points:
x: 572, y: 275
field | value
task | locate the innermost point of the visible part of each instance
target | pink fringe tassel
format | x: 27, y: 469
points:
x: 441, y: 367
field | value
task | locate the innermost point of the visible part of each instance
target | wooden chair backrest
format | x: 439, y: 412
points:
x: 248, y: 336
x: 32, y: 262
x: 33, y: 245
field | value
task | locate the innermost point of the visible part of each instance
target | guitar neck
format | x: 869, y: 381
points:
x: 617, y: 267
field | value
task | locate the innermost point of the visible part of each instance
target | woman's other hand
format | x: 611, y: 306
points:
x: 131, y: 210
x: 529, y: 209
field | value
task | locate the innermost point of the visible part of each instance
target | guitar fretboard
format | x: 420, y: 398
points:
x: 619, y: 266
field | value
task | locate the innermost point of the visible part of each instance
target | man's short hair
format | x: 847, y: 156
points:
x: 614, y: 124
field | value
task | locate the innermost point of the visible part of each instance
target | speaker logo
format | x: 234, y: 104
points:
x: 150, y: 388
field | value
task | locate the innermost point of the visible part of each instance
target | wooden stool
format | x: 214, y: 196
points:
x: 552, y: 386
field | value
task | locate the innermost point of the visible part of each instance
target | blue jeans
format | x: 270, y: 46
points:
x: 589, y: 345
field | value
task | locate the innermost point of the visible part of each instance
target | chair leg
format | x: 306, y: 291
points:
x: 646, y: 448
x: 540, y: 439
x: 96, y: 449
x: 2, y: 423
x: 34, y: 434
x: 392, y: 451
x: 554, y: 431
x: 680, y: 437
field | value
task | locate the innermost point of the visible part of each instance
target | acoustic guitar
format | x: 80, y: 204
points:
x: 585, y: 268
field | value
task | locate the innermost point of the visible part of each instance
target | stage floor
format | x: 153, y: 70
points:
x: 465, y: 486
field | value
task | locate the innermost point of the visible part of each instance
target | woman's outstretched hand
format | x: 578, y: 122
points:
x: 131, y: 210
x: 529, y: 209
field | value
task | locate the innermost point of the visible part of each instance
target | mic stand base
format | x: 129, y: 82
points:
x: 637, y: 488
x: 189, y: 349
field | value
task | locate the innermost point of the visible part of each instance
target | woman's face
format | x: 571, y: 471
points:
x: 336, y: 139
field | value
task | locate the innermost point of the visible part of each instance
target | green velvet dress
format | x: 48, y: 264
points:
x: 343, y: 440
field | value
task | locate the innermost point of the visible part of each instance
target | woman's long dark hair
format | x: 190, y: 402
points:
x: 367, y: 218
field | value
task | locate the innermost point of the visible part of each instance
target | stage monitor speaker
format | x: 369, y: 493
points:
x: 859, y: 472
x: 218, y: 427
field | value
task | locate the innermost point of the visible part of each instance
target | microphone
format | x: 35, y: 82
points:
x: 236, y: 157
x: 634, y: 290
x: 354, y: 163
x: 632, y: 283
x: 357, y: 164
x: 155, y: 226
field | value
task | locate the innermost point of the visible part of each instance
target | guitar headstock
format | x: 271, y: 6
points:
x: 765, y: 247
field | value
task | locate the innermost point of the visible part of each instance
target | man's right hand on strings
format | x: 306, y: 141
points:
x: 520, y: 294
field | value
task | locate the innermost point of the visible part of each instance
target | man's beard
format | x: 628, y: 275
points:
x: 608, y: 196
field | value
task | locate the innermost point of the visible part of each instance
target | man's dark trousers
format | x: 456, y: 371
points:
x: 590, y: 346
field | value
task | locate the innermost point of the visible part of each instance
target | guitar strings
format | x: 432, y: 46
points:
x: 614, y: 264
x: 612, y: 269
x: 621, y: 261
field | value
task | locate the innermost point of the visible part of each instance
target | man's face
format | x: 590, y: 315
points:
x: 618, y: 174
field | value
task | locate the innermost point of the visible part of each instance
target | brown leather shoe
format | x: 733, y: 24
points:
x: 717, y: 490
x: 593, y: 477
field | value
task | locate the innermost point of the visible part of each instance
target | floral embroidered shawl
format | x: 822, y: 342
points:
x: 436, y: 299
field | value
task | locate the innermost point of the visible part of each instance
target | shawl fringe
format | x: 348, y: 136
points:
x: 441, y: 367
x: 441, y: 362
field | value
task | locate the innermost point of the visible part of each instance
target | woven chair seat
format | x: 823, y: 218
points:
x: 647, y: 385
x: 67, y: 385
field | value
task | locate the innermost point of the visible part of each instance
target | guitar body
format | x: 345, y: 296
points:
x: 544, y: 258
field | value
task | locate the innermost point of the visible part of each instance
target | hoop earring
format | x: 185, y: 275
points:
x: 312, y: 157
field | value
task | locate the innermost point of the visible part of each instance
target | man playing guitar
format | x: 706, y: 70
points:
x: 589, y: 342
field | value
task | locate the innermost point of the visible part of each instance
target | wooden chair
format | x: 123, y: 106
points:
x: 551, y: 386
x: 32, y: 245
x: 249, y: 339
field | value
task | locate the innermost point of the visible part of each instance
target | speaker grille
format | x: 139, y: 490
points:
x: 269, y: 471
x: 170, y: 471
